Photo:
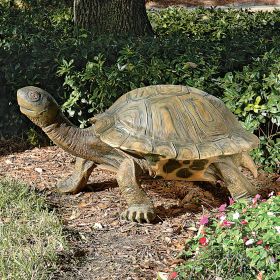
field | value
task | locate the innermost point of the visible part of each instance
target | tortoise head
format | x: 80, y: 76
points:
x: 38, y: 105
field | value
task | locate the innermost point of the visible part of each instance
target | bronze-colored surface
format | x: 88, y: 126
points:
x: 79, y: 178
x: 167, y: 131
x: 173, y: 121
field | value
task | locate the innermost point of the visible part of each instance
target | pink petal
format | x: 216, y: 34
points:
x: 172, y: 275
x: 204, y: 220
x: 222, y: 208
x: 256, y: 198
x: 231, y: 200
x: 259, y: 242
x: 227, y: 223
x: 244, y: 222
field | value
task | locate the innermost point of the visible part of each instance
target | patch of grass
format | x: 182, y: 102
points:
x: 30, y: 235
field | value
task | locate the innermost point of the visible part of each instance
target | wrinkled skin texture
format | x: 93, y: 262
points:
x: 91, y: 151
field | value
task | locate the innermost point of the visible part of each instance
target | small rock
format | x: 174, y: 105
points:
x: 39, y: 170
x: 97, y: 226
x: 167, y: 240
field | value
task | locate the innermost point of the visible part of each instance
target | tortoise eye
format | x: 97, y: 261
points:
x: 34, y: 95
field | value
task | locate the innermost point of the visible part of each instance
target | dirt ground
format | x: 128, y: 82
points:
x: 102, y: 245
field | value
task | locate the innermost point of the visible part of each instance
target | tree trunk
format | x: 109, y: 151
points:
x: 119, y: 17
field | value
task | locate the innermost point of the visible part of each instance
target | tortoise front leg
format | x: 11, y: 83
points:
x: 235, y: 181
x: 78, y: 180
x: 140, y: 208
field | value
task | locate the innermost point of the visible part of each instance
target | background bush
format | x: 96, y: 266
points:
x: 230, y: 54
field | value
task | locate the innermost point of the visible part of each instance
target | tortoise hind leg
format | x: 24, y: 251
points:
x: 235, y: 181
x: 78, y: 180
x: 244, y: 160
x: 140, y: 208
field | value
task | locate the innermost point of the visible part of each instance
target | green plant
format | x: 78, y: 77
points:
x: 87, y: 74
x: 253, y: 94
x: 240, y: 242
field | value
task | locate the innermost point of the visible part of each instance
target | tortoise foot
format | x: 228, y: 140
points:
x: 140, y: 213
x: 72, y: 184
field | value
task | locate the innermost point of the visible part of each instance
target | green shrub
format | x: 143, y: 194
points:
x: 242, y: 242
x: 253, y: 94
x: 138, y: 63
x: 40, y: 46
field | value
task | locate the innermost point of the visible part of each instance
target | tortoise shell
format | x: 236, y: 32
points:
x: 172, y: 121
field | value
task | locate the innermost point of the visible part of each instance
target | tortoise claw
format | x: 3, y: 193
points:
x: 140, y: 213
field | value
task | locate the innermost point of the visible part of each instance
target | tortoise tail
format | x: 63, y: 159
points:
x: 247, y: 162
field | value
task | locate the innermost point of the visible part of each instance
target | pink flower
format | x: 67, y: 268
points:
x: 203, y: 241
x: 172, y: 275
x: 256, y: 198
x: 227, y: 223
x: 231, y: 200
x: 244, y: 222
x: 222, y: 208
x: 204, y: 220
x: 259, y: 242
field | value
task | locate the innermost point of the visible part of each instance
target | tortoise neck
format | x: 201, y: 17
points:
x: 79, y: 142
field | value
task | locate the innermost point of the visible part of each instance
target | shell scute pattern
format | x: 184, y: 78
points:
x: 173, y: 121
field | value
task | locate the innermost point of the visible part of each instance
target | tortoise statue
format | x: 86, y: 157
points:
x: 170, y: 132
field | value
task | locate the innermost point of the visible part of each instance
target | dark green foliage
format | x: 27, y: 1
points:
x: 253, y: 94
x: 199, y: 48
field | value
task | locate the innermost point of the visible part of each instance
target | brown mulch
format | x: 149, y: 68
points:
x: 102, y: 245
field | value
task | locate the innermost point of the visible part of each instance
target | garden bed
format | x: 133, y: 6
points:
x: 102, y: 245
